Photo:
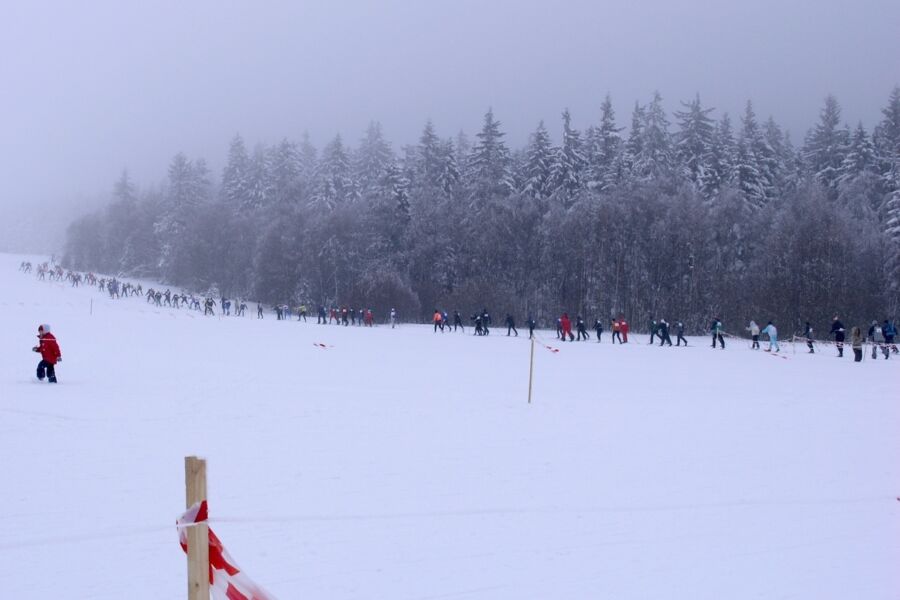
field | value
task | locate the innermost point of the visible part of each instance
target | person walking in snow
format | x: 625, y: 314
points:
x: 890, y: 332
x: 479, y: 325
x: 716, y: 330
x: 772, y: 332
x: 808, y: 334
x: 581, y: 329
x: 623, y: 328
x: 616, y: 335
x: 511, y: 325
x: 566, y: 326
x: 653, y: 326
x: 662, y: 332
x: 856, y: 344
x: 457, y: 322
x: 598, y: 328
x: 754, y: 335
x: 436, y: 319
x: 393, y: 318
x: 679, y: 330
x: 50, y: 354
x: 837, y: 330
x: 876, y: 336
x: 530, y: 323
x: 486, y: 321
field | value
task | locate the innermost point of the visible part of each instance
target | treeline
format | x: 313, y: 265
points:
x: 683, y: 219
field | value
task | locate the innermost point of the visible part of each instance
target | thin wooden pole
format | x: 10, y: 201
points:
x: 198, y: 535
x: 531, y: 370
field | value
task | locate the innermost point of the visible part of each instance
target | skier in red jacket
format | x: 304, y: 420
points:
x: 566, y: 326
x: 50, y: 354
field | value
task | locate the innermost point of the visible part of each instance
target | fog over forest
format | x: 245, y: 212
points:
x: 535, y: 156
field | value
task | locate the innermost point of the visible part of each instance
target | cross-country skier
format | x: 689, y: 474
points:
x: 679, y: 330
x: 566, y: 326
x: 393, y: 318
x: 808, y: 334
x: 598, y: 327
x: 754, y: 333
x: 855, y: 343
x: 876, y: 336
x: 50, y: 354
x: 511, y: 325
x: 616, y: 334
x: 436, y: 319
x: 716, y: 330
x: 662, y: 332
x: 653, y: 326
x: 581, y: 329
x: 457, y: 321
x: 530, y: 322
x: 837, y: 330
x: 890, y: 332
x: 772, y: 332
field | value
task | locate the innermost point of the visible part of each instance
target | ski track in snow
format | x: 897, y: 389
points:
x: 406, y: 464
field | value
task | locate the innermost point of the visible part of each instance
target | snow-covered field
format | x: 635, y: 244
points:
x: 401, y: 464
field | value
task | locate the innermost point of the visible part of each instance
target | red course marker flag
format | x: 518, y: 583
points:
x: 226, y: 581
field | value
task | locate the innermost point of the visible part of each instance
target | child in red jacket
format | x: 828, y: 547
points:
x: 50, y: 354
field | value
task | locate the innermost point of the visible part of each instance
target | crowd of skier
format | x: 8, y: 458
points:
x: 880, y: 335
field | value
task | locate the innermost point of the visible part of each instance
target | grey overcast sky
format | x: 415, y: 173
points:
x: 89, y: 88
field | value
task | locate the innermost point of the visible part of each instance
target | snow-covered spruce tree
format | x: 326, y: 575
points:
x: 334, y: 184
x: 634, y: 144
x: 538, y: 162
x: 236, y: 175
x: 754, y: 159
x: 825, y: 146
x: 449, y: 175
x: 655, y: 157
x: 604, y: 147
x: 568, y: 165
x: 260, y: 188
x: 488, y: 168
x: 694, y: 141
x: 859, y: 157
x: 887, y: 148
x: 372, y: 160
x: 285, y: 174
x: 308, y: 161
x: 720, y: 160
x: 187, y: 187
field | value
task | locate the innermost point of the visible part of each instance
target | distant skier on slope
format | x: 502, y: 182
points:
x: 50, y: 354
x: 810, y: 337
x: 754, y: 334
x: 679, y: 329
x: 716, y: 329
x: 511, y: 325
x: 566, y: 326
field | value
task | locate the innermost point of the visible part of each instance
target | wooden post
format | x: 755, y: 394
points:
x: 198, y: 535
x: 531, y: 370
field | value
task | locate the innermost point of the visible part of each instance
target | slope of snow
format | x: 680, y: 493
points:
x: 407, y: 465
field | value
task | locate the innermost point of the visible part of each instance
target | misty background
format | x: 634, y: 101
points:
x: 87, y: 90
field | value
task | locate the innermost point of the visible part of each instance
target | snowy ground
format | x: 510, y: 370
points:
x: 406, y: 465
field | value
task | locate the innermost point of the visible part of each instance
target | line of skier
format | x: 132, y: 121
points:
x: 880, y: 336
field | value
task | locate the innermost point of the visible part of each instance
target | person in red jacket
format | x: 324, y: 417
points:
x: 50, y: 354
x: 566, y: 326
x: 623, y: 327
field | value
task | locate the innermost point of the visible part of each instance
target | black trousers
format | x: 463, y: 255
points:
x: 680, y: 339
x: 664, y: 339
x: 755, y: 342
x: 510, y: 328
x: 50, y: 370
x: 720, y: 338
x: 857, y: 354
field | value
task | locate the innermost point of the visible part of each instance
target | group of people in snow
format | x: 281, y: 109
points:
x: 881, y: 336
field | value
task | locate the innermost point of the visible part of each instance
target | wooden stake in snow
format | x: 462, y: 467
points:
x: 197, y: 535
x: 531, y: 370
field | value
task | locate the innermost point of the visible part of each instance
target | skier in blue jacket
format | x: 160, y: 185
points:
x: 772, y: 332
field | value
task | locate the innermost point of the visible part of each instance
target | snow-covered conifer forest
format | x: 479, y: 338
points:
x: 686, y: 213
